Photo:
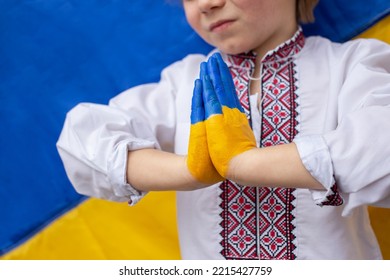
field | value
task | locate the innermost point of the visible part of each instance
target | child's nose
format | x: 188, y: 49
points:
x: 208, y: 5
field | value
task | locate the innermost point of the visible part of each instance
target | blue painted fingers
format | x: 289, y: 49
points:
x: 212, y: 104
x: 197, y: 107
x: 222, y: 82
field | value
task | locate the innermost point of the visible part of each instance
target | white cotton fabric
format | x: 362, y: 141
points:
x: 343, y: 137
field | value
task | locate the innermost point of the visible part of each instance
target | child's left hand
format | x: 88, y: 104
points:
x: 227, y: 128
x: 198, y: 159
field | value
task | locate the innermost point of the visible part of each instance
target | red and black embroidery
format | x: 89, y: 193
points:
x: 333, y: 198
x: 258, y: 223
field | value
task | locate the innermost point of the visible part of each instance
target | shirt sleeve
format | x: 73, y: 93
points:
x: 95, y: 139
x: 355, y: 156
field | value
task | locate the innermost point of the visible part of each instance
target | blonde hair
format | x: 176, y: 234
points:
x: 305, y: 10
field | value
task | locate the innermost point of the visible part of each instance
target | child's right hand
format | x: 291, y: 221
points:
x: 198, y: 160
x: 229, y: 135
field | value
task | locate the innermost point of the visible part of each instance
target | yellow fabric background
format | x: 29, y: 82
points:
x: 98, y: 229
x: 380, y: 31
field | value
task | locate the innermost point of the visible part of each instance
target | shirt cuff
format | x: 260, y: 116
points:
x: 316, y: 158
x: 117, y: 169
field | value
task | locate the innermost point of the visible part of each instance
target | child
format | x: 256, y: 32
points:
x: 275, y: 149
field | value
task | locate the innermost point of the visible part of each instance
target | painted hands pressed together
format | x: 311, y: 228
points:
x: 220, y: 131
x: 221, y: 146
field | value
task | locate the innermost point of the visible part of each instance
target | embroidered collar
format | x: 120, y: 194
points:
x: 288, y: 49
x: 285, y: 51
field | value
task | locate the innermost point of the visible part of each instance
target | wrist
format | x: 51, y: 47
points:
x: 190, y: 182
x: 240, y: 165
x: 155, y: 170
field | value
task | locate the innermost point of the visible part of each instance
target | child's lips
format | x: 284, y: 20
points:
x: 220, y: 25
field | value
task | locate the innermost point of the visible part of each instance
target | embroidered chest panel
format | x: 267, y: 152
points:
x: 258, y: 222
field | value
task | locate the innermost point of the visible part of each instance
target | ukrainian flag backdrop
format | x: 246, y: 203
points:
x: 55, y: 54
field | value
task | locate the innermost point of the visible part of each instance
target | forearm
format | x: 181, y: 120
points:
x: 155, y: 170
x: 275, y: 166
